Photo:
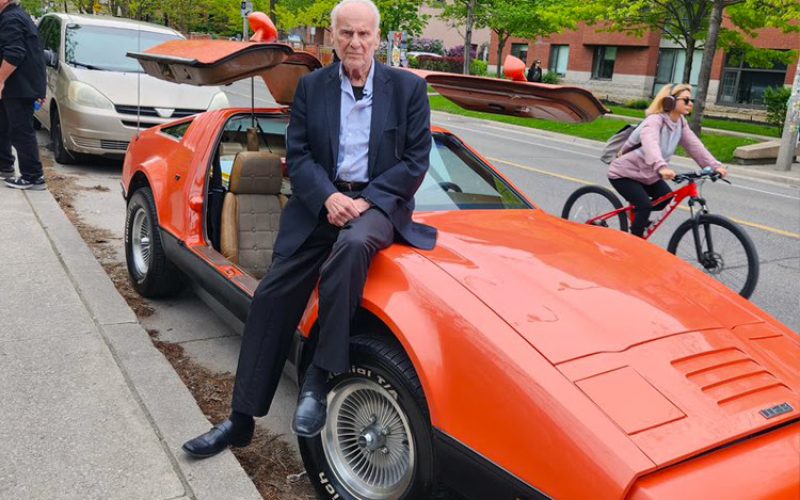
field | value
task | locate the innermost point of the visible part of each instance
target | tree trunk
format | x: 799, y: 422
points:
x: 687, y: 68
x: 789, y: 138
x: 468, y: 36
x: 705, y: 69
x: 501, y: 44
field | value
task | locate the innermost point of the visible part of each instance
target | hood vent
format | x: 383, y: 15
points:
x: 732, y: 379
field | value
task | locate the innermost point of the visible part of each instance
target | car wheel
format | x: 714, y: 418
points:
x: 377, y: 442
x: 60, y: 152
x: 149, y: 269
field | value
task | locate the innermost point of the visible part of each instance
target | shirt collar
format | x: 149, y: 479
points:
x: 347, y: 86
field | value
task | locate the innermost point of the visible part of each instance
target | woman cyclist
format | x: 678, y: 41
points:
x: 638, y: 174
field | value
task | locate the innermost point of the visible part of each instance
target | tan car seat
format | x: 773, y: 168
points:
x: 251, y: 211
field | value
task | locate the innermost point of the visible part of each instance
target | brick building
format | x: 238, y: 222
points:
x: 621, y: 68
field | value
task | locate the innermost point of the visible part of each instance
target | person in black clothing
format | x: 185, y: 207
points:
x: 535, y: 72
x: 22, y: 83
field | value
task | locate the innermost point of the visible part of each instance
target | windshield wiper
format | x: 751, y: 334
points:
x: 87, y: 66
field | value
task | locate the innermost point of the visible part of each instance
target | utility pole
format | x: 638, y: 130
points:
x: 790, y: 126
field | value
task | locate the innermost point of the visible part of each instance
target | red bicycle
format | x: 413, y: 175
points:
x: 713, y: 243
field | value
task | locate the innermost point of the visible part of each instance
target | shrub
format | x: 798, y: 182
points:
x: 446, y: 64
x: 458, y: 51
x: 551, y: 77
x: 477, y: 67
x: 777, y: 100
x: 425, y: 45
x: 638, y: 104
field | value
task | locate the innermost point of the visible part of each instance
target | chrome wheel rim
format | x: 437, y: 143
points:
x: 367, y: 440
x: 141, y: 242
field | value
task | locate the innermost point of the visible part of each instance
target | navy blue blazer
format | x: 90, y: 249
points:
x: 399, y: 148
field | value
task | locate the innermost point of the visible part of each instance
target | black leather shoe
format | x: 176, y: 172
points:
x: 310, y: 415
x: 217, y: 439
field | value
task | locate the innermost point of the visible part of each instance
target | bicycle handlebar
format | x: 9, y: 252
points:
x: 705, y: 173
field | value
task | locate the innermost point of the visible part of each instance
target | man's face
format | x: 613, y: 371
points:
x: 355, y: 37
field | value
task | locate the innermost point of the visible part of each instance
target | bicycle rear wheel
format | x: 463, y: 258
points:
x: 722, y: 249
x: 589, y: 202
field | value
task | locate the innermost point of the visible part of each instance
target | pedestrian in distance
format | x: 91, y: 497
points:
x: 357, y: 150
x: 535, y: 72
x: 22, y: 85
x: 642, y: 166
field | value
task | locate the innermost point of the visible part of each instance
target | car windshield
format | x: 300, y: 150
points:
x: 456, y: 180
x: 106, y: 48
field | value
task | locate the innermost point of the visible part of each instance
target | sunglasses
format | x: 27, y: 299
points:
x: 686, y: 100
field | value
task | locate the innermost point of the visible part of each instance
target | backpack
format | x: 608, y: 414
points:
x: 613, y: 148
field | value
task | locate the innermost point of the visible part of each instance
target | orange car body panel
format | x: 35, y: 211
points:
x: 583, y: 380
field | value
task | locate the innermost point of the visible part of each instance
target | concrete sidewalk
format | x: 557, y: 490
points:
x: 89, y: 408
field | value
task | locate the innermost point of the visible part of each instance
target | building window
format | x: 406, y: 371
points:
x: 741, y: 84
x: 520, y: 50
x: 603, y: 67
x: 671, y: 64
x: 559, y: 56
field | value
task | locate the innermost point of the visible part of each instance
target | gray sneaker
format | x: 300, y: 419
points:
x: 23, y: 183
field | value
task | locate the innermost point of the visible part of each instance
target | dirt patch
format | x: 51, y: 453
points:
x: 268, y: 461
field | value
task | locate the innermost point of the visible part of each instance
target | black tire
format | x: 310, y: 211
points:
x: 588, y: 202
x: 150, y: 271
x: 734, y: 260
x: 381, y: 374
x: 60, y: 152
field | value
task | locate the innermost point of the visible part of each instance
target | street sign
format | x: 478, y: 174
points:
x: 247, y: 7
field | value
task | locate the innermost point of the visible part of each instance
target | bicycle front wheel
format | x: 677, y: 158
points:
x: 589, y: 202
x: 721, y: 249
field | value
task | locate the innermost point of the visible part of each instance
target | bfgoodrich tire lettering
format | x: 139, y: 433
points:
x: 377, y: 441
x: 150, y: 272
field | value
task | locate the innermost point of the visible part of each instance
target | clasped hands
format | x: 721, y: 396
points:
x: 342, y: 209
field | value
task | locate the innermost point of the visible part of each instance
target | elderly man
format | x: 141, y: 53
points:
x: 22, y: 82
x: 358, y: 144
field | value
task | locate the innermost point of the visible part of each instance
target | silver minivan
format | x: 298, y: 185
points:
x: 97, y: 97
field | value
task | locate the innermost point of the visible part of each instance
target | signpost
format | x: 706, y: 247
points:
x: 247, y: 8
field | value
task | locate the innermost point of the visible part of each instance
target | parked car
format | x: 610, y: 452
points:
x: 97, y: 98
x: 525, y: 356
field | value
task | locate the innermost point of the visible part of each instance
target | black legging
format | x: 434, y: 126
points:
x: 640, y: 196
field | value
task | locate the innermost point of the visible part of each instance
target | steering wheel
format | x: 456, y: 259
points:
x: 451, y: 186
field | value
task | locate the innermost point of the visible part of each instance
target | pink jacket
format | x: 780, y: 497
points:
x: 643, y: 164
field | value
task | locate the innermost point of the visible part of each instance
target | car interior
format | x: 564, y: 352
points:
x: 247, y: 188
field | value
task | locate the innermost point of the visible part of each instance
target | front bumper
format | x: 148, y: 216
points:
x: 104, y: 132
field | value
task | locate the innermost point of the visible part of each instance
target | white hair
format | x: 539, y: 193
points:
x: 370, y: 3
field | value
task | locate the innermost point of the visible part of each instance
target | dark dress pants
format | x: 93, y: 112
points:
x: 641, y: 196
x: 340, y: 260
x: 16, y: 129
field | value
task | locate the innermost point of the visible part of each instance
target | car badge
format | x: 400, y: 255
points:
x: 165, y: 112
x: 776, y: 410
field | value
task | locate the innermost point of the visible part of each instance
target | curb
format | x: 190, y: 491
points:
x: 167, y: 404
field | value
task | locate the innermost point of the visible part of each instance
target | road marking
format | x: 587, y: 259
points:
x: 596, y: 155
x: 755, y: 225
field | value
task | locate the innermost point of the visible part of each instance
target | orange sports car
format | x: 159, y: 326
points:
x: 524, y: 357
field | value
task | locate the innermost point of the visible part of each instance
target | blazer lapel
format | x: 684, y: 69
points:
x: 381, y: 99
x: 333, y: 106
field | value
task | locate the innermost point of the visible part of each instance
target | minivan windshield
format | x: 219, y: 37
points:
x: 105, y: 48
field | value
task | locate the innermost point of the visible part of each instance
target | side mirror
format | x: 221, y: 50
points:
x: 50, y: 58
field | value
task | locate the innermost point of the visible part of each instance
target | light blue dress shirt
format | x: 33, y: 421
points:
x: 354, y: 124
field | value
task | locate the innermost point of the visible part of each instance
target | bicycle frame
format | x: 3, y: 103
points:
x: 691, y: 191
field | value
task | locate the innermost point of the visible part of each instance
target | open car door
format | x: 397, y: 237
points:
x: 219, y: 62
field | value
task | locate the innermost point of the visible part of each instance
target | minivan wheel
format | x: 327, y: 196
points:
x: 150, y: 271
x: 60, y: 152
x: 376, y: 444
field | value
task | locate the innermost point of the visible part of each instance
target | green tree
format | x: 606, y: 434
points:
x: 466, y: 15
x: 526, y: 19
x: 396, y: 15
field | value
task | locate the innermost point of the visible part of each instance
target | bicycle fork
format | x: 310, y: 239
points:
x: 706, y: 256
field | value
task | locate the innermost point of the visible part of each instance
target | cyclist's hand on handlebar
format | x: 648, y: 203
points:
x: 667, y: 174
x: 722, y: 171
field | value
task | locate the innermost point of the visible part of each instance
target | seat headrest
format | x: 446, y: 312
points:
x: 256, y: 172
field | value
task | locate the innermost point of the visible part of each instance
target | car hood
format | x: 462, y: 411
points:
x: 681, y: 364
x: 575, y: 290
x: 126, y: 89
